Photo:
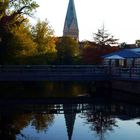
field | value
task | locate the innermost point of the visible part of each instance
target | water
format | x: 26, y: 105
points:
x: 70, y: 121
x: 81, y: 115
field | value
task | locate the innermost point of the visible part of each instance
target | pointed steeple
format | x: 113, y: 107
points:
x: 70, y: 117
x: 71, y: 24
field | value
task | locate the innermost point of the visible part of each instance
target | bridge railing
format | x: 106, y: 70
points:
x: 54, y: 69
x: 120, y: 72
x: 69, y: 70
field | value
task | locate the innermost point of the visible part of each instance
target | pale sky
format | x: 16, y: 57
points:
x: 120, y: 17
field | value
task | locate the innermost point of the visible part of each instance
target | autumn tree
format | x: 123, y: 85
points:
x: 12, y: 10
x: 12, y: 15
x: 21, y: 45
x: 90, y: 55
x: 91, y: 52
x: 103, y: 43
x: 43, y: 36
x: 67, y: 50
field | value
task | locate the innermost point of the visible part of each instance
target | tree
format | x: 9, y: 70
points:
x: 91, y: 55
x: 104, y: 43
x: 67, y: 50
x: 3, y: 6
x: 43, y: 36
x: 123, y: 45
x: 13, y: 9
x: 21, y: 45
x: 102, y: 38
x: 137, y: 42
x: 12, y: 15
x: 92, y: 52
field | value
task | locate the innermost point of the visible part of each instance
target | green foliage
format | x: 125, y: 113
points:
x: 12, y: 10
x: 26, y: 6
x: 103, y: 38
x: 123, y: 45
x: 20, y: 45
x: 15, y: 39
x: 26, y: 45
x: 24, y: 40
x: 137, y: 42
x: 86, y: 44
x: 67, y: 50
x: 3, y: 6
x: 43, y: 36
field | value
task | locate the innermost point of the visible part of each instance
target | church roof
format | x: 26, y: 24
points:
x: 71, y: 17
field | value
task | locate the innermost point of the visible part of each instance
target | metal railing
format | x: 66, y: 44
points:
x: 69, y: 71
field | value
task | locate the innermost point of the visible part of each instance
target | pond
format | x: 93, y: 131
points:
x: 66, y: 111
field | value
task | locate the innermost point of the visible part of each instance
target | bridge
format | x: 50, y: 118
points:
x: 94, y: 107
x: 67, y: 73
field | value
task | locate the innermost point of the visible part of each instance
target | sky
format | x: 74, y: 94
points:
x: 121, y: 18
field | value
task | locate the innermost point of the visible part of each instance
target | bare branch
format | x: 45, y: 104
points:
x: 21, y: 9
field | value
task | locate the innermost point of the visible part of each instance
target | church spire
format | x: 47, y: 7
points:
x: 71, y: 24
x: 70, y: 117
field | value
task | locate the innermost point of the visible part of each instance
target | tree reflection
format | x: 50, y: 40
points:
x: 138, y: 123
x: 12, y: 124
x: 100, y: 120
x: 42, y: 89
x: 42, y: 122
x: 64, y: 89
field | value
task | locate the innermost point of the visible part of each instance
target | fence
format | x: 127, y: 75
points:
x: 66, y: 72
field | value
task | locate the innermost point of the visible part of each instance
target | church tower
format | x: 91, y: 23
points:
x: 71, y: 25
x: 70, y: 117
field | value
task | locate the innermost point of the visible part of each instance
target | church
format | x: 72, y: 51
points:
x: 71, y: 24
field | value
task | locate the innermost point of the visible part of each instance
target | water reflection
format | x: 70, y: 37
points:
x: 101, y: 120
x: 11, y: 124
x: 67, y: 111
x: 70, y: 114
x: 43, y: 121
x: 42, y: 89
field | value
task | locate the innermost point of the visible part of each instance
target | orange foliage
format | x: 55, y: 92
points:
x: 92, y: 54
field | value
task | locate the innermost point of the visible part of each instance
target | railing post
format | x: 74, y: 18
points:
x: 130, y: 72
x: 120, y: 71
x: 110, y: 70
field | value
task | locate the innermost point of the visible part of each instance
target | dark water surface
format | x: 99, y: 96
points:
x: 67, y: 111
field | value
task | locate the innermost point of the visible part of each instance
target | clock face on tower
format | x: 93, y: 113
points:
x: 71, y: 24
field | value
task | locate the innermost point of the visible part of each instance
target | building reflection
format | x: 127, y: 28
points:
x: 70, y: 115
